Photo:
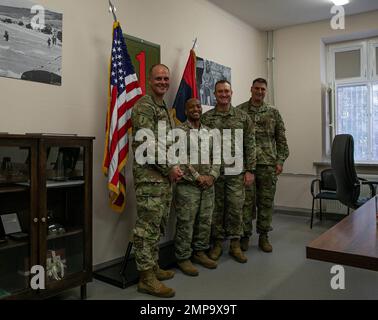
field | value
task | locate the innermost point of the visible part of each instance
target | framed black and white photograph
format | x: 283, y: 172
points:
x: 207, y: 74
x: 30, y: 42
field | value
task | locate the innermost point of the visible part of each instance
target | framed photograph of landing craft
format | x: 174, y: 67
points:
x: 207, y: 74
x: 30, y: 42
x: 143, y: 54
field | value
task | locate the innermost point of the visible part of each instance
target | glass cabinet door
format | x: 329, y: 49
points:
x: 15, y: 219
x: 64, y: 212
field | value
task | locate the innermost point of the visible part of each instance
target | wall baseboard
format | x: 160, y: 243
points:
x: 307, y: 213
x: 292, y: 211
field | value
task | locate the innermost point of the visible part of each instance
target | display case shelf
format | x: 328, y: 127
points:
x: 11, y: 244
x: 68, y: 233
x: 56, y: 184
x: 14, y: 188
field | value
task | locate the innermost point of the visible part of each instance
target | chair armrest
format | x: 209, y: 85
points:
x: 371, y: 184
x: 313, y: 186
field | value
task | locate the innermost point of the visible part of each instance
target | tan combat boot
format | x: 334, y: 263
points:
x: 201, y: 258
x: 187, y: 267
x: 244, y: 243
x: 150, y: 285
x: 163, y: 274
x: 236, y: 252
x: 264, y: 243
x: 216, y: 250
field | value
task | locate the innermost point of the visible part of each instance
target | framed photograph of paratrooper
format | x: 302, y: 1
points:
x: 207, y: 74
x: 30, y: 42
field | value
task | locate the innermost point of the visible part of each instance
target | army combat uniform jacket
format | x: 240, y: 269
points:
x: 193, y: 171
x: 271, y: 144
x: 145, y: 115
x: 234, y: 119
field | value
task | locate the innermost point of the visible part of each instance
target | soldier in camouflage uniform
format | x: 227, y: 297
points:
x: 153, y: 187
x: 271, y: 151
x: 229, y: 189
x: 194, y: 200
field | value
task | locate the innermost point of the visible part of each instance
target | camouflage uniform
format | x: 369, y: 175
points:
x: 194, y: 205
x: 271, y: 149
x: 152, y: 186
x: 229, y: 189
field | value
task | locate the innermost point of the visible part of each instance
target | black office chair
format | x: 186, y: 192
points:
x: 326, y: 189
x: 348, y: 184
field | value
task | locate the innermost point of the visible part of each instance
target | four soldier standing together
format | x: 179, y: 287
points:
x: 212, y: 203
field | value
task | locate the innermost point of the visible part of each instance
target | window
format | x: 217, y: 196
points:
x: 347, y: 64
x: 352, y: 71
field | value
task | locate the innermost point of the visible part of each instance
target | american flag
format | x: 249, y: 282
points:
x: 124, y: 91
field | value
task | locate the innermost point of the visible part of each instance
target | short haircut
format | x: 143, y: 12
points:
x: 155, y: 65
x: 260, y: 80
x: 221, y: 82
x: 190, y: 100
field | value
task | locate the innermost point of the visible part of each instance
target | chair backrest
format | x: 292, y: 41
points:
x: 342, y: 162
x: 327, y: 180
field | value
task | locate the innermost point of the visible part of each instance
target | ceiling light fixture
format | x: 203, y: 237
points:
x: 340, y: 2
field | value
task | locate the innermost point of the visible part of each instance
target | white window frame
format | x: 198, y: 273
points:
x: 369, y: 77
x: 373, y: 44
x: 356, y: 45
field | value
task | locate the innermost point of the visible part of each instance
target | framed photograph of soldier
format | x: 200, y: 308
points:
x: 207, y: 74
x: 30, y: 42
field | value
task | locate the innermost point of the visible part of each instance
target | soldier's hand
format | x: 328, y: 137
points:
x: 205, y: 181
x: 249, y: 178
x: 175, y: 174
x: 279, y: 169
x: 209, y: 181
x: 201, y: 180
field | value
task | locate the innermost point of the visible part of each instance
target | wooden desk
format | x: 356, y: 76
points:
x: 353, y: 241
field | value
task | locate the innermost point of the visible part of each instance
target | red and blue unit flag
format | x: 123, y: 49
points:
x: 187, y: 88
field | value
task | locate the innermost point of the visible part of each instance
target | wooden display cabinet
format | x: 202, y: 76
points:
x: 45, y: 213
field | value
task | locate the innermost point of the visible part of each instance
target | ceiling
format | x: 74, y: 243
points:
x: 275, y: 14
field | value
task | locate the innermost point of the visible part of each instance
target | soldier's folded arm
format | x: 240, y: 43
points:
x: 194, y: 173
x: 214, y: 171
x: 281, y: 141
x: 249, y: 145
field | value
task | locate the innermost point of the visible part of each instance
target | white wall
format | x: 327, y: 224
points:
x: 79, y: 105
x: 299, y: 53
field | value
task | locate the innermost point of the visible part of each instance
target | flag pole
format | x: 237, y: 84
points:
x: 194, y: 44
x: 112, y: 9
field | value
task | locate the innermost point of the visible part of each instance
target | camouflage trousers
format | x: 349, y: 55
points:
x: 153, y: 206
x: 194, y: 209
x: 228, y: 210
x: 261, y: 196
